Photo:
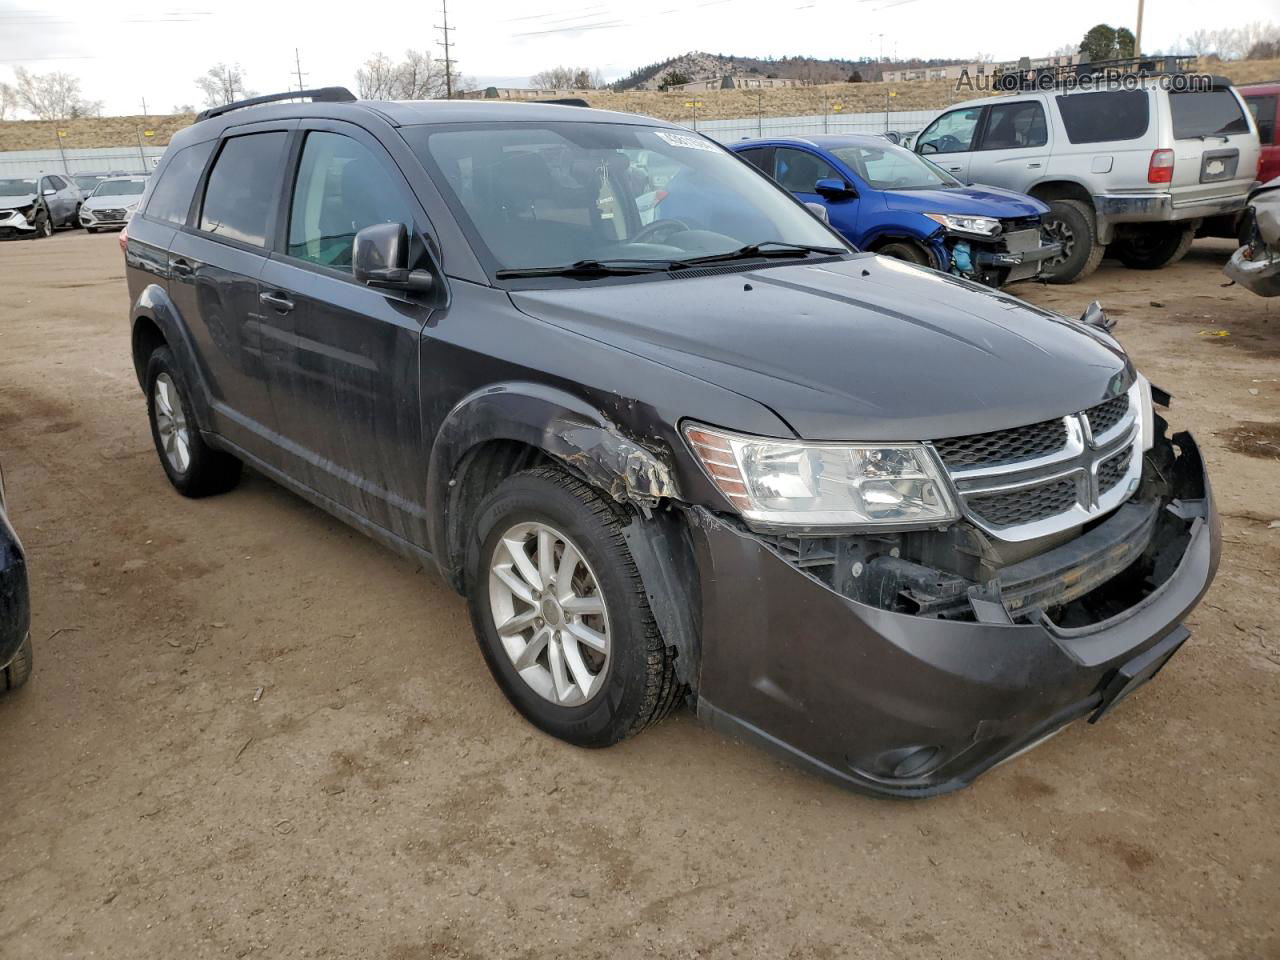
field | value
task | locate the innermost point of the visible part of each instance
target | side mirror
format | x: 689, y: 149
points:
x: 819, y: 211
x: 380, y: 258
x: 1095, y: 316
x: 50, y: 192
x: 834, y: 189
x: 929, y: 147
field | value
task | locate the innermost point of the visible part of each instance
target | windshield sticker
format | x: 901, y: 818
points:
x: 685, y: 140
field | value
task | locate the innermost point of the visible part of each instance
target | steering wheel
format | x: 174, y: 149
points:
x: 947, y: 143
x: 659, y: 231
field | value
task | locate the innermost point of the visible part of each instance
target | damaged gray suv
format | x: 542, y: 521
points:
x: 892, y: 524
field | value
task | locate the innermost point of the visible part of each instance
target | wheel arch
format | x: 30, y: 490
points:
x: 930, y: 246
x: 156, y: 323
x: 1058, y: 188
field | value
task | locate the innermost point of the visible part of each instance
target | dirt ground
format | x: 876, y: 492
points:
x: 380, y: 799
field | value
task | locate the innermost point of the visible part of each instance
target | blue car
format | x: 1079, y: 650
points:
x: 885, y: 198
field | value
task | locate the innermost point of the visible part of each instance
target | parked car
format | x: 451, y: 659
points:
x: 889, y: 522
x: 1134, y: 172
x: 1263, y: 101
x: 884, y: 198
x: 1256, y: 265
x: 112, y: 203
x: 36, y: 206
x: 15, y: 605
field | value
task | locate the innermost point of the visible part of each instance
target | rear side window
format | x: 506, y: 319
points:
x: 171, y: 194
x: 1013, y: 125
x: 340, y: 190
x: 1208, y: 113
x: 1106, y: 116
x: 758, y: 157
x: 1264, y: 115
x: 241, y: 188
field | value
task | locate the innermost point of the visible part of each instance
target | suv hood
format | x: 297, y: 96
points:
x: 869, y: 348
x: 977, y: 201
x: 16, y: 203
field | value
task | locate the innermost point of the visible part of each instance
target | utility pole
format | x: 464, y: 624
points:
x: 144, y: 107
x: 1137, y: 36
x: 447, y: 43
x: 297, y: 67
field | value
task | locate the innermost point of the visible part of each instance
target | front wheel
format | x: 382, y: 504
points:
x: 44, y: 225
x: 1071, y: 223
x: 561, y: 613
x: 1155, y: 246
x: 19, y: 669
x: 905, y: 250
x: 194, y: 468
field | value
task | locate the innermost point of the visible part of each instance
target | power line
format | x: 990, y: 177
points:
x: 297, y: 67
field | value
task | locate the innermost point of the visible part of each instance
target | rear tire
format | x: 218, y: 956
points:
x: 1155, y: 246
x: 19, y: 669
x: 193, y: 467
x: 631, y: 675
x: 1071, y: 223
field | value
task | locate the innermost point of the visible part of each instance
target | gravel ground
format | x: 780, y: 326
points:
x: 380, y: 799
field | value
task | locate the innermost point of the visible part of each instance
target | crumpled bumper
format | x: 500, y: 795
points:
x: 15, y: 600
x: 1261, y: 275
x: 903, y: 705
x: 13, y: 224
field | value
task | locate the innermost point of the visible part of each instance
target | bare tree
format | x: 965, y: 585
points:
x: 419, y: 76
x: 1199, y: 43
x: 53, y: 96
x: 222, y: 84
x: 568, y: 78
x: 8, y: 101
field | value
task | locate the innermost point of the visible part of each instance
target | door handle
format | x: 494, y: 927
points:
x: 181, y: 268
x: 953, y: 169
x: 277, y: 301
x: 1034, y: 164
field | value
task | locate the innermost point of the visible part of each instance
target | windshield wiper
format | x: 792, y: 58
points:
x: 591, y: 268
x: 765, y: 248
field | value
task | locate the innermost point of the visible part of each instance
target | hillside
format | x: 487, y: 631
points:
x: 715, y: 104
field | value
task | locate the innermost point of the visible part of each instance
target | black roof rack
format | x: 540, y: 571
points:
x: 565, y: 102
x: 1038, y: 78
x: 319, y: 95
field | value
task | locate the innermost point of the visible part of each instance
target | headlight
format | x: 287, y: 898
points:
x: 794, y: 484
x: 132, y: 206
x: 1146, y: 410
x: 982, y: 226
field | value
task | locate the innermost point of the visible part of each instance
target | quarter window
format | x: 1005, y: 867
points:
x: 171, y: 195
x: 340, y: 190
x: 798, y: 171
x: 242, y: 188
x: 1014, y: 125
x: 952, y: 132
x: 1264, y: 115
x: 1105, y: 116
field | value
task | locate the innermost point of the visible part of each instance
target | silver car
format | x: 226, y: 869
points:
x: 36, y: 206
x: 112, y: 203
x: 1135, y: 172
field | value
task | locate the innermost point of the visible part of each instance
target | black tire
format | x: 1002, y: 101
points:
x: 208, y: 471
x: 640, y: 685
x: 906, y: 250
x: 19, y: 669
x: 1071, y: 223
x: 91, y: 229
x: 1155, y: 246
x: 44, y: 225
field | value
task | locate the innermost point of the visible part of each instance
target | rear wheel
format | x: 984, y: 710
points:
x: 561, y: 613
x: 1071, y: 223
x: 1155, y: 246
x: 19, y: 669
x: 194, y: 468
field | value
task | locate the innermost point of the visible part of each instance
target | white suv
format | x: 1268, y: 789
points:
x: 1138, y: 170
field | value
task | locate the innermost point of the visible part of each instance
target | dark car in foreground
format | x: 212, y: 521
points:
x: 15, y: 605
x: 884, y: 198
x: 897, y: 525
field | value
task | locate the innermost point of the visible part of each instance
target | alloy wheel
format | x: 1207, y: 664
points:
x: 549, y: 613
x: 171, y: 424
x: 1060, y: 232
x: 46, y: 227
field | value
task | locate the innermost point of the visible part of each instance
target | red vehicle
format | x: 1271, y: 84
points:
x: 1264, y: 103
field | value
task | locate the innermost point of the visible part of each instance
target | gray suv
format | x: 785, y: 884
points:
x: 891, y: 523
x: 1136, y: 172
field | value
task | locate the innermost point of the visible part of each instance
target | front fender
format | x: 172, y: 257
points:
x: 554, y: 421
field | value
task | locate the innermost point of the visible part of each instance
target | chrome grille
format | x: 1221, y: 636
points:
x: 112, y: 214
x: 1025, y: 505
x: 1106, y: 415
x: 1003, y: 446
x: 1032, y: 481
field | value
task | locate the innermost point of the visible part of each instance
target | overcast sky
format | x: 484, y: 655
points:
x: 124, y: 51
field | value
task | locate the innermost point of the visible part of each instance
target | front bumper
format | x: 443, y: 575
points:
x: 13, y: 224
x: 89, y: 218
x: 1113, y: 208
x: 15, y: 597
x: 903, y: 705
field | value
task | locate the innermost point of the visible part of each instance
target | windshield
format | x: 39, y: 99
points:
x: 17, y: 188
x: 88, y: 184
x: 890, y: 167
x: 550, y: 194
x: 120, y: 188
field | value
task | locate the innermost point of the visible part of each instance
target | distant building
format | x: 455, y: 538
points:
x: 520, y: 93
x: 956, y: 71
x: 747, y: 82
